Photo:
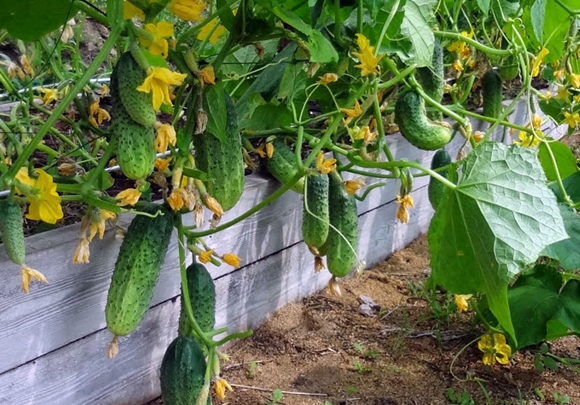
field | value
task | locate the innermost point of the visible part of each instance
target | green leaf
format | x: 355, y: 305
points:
x: 226, y: 15
x: 537, y: 15
x: 293, y: 20
x: 566, y: 251
x: 415, y: 27
x: 572, y: 187
x: 486, y: 230
x: 293, y: 82
x: 556, y: 26
x: 483, y: 6
x: 31, y: 19
x: 215, y: 107
x: 269, y: 116
x: 565, y: 160
x: 321, y: 49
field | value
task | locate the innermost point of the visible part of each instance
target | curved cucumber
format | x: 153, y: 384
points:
x: 432, y: 79
x: 282, y: 165
x: 315, y: 230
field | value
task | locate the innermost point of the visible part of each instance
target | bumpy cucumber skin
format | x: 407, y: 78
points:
x: 314, y: 230
x: 135, y: 142
x: 222, y: 161
x: 182, y: 372
x: 414, y: 124
x: 137, y: 103
x: 202, y: 296
x: 137, y: 269
x: 343, y: 216
x: 491, y: 85
x: 282, y: 165
x: 12, y: 231
x: 509, y: 69
x: 432, y: 79
x: 436, y: 188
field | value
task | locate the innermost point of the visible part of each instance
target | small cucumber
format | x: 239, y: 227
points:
x: 12, y: 231
x: 340, y: 257
x: 432, y: 79
x: 138, y: 104
x: 315, y: 227
x: 201, y: 290
x: 436, y: 188
x: 414, y: 124
x: 182, y: 372
x: 491, y: 86
x: 137, y: 269
x: 282, y: 165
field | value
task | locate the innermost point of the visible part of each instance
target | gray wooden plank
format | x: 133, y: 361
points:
x: 80, y: 373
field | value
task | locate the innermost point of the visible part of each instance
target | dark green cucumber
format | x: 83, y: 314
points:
x: 137, y: 269
x: 201, y: 290
x: 12, y: 231
x: 182, y: 372
x: 315, y: 227
x: 138, y: 104
x: 436, y: 189
x: 414, y: 124
x: 491, y: 86
x: 282, y: 165
x: 222, y: 161
x: 432, y: 79
x: 509, y: 69
x: 342, y: 242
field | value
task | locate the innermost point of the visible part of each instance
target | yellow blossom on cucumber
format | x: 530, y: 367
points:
x: 205, y: 256
x: 129, y: 196
x: 352, y: 186
x: 130, y: 11
x: 404, y: 202
x: 26, y: 65
x: 104, y: 90
x: 351, y: 113
x: 494, y: 348
x: 328, y: 78
x: 460, y: 47
x: 461, y: 301
x: 208, y: 29
x: 365, y: 134
x: 573, y: 120
x: 265, y: 149
x: 369, y: 63
x: 44, y: 200
x: 528, y: 140
x: 82, y: 252
x: 98, y: 217
x: 560, y: 75
x: 161, y: 164
x: 188, y: 10
x: 157, y: 83
x: 212, y: 204
x: 538, y: 61
x: 231, y: 259
x: 457, y: 65
x: 165, y: 136
x: 176, y: 199
x: 157, y: 43
x: 220, y: 387
x: 14, y: 71
x: 324, y: 165
x: 29, y: 274
x: 48, y: 95
x: 318, y: 264
x: 575, y: 80
x: 207, y: 75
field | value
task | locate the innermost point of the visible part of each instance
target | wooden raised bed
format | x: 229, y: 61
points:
x: 53, y: 341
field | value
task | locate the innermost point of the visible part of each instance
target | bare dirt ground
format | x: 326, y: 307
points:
x: 401, y: 354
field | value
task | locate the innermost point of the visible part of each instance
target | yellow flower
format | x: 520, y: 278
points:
x: 49, y: 95
x: 538, y: 61
x: 460, y: 47
x: 158, y: 83
x: 461, y: 301
x: 318, y: 264
x: 324, y: 165
x: 527, y: 140
x: 328, y: 78
x: 82, y: 252
x: 220, y: 387
x: 176, y: 199
x: 165, y: 136
x: 478, y: 136
x: 405, y: 202
x: 130, y: 11
x: 536, y: 121
x: 265, y: 149
x: 104, y: 90
x: 208, y: 28
x: 494, y: 348
x: 575, y: 80
x: 188, y: 10
x: 560, y: 75
x: 14, y: 70
x: 97, y: 221
x: 365, y: 134
x: 457, y: 65
x: 212, y: 204
x: 207, y: 75
x: 352, y: 186
x: 129, y: 196
x: 157, y: 44
x: 44, y: 200
x: 571, y: 119
x: 23, y: 177
x: 231, y: 259
x: 369, y: 63
x: 205, y: 256
x: 161, y: 164
x: 26, y: 65
x: 351, y: 112
x: 562, y: 93
x: 28, y: 274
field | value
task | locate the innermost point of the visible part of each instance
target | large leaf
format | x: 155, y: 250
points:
x: 556, y: 26
x: 565, y: 160
x: 567, y: 251
x: 483, y: 5
x: 215, y: 107
x: 538, y: 298
x: 415, y: 28
x: 487, y: 230
x: 321, y: 49
x: 537, y: 16
x: 30, y: 19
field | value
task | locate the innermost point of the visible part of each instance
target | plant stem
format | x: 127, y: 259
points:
x: 479, y: 46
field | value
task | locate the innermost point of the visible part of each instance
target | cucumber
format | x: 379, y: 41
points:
x: 340, y: 257
x: 222, y: 161
x: 414, y: 124
x: 282, y: 165
x: 436, y: 188
x: 491, y: 86
x: 432, y: 79
x: 315, y: 230
x: 137, y: 269
x: 509, y: 69
x: 138, y: 104
x: 201, y: 290
x: 182, y: 372
x: 12, y: 231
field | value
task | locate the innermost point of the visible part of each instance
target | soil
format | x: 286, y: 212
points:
x: 324, y: 349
